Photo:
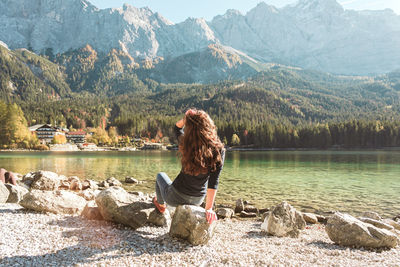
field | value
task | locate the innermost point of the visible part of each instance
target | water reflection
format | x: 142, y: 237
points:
x: 311, y: 180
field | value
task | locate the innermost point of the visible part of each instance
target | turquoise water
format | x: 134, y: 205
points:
x: 349, y: 181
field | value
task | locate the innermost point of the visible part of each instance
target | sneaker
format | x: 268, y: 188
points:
x: 160, y: 208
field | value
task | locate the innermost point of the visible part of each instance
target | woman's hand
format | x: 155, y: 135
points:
x: 211, y: 216
x: 180, y: 123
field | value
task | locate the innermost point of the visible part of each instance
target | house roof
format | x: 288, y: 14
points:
x: 36, y: 126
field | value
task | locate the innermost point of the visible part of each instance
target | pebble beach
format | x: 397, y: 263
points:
x: 30, y: 238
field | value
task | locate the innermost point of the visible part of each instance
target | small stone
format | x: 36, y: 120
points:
x: 89, y: 184
x: 310, y: 218
x: 321, y: 219
x: 131, y: 180
x: 75, y: 183
x: 372, y: 215
x: 239, y: 206
x: 245, y: 214
x: 159, y: 219
x: 112, y: 181
x: 264, y: 210
x: 250, y: 208
x: 224, y: 213
x: 92, y: 212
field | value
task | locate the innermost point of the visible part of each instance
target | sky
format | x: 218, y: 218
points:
x: 179, y: 10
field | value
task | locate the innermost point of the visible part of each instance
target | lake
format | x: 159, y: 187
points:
x: 319, y: 181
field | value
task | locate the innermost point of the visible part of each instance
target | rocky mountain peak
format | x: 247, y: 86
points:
x: 264, y: 8
x: 319, y: 6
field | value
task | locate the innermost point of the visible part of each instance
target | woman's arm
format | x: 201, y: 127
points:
x: 210, y: 214
x: 210, y: 198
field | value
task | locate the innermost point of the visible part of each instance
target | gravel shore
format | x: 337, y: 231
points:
x: 37, y: 239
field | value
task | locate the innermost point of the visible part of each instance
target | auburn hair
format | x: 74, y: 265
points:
x: 199, y: 147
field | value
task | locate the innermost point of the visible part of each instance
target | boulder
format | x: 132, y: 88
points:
x: 92, y: 212
x: 345, y: 230
x: 89, y: 184
x: 159, y: 219
x: 283, y: 220
x: 131, y: 180
x: 372, y: 215
x: 245, y: 214
x: 376, y: 223
x: 45, y: 180
x: 310, y: 218
x: 4, y: 193
x: 117, y: 205
x: 189, y: 222
x: 64, y: 202
x: 239, y: 206
x: 224, y: 213
x: 16, y: 193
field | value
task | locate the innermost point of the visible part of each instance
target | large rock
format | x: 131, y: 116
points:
x: 283, y: 220
x: 16, y: 193
x: 46, y: 180
x: 345, y: 230
x: 64, y: 202
x: 189, y: 222
x: 4, y: 193
x: 92, y: 212
x: 117, y: 205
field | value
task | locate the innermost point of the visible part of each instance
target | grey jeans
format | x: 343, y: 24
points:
x: 167, y: 193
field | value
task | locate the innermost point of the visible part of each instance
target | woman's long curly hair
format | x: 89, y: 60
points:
x: 199, y: 147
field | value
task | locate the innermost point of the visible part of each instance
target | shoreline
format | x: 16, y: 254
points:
x: 228, y: 149
x: 65, y: 240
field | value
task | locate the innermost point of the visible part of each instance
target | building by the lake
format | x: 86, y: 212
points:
x: 76, y: 137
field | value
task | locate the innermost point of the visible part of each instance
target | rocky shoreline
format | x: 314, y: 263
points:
x: 72, y: 213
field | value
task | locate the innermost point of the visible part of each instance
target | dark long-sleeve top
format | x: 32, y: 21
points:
x: 196, y: 185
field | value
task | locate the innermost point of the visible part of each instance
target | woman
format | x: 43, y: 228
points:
x: 202, y: 158
x: 7, y: 177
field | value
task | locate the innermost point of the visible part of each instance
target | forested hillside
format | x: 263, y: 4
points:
x: 278, y: 107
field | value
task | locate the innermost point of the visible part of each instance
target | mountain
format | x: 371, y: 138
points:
x: 311, y: 34
x: 28, y: 76
x: 210, y: 65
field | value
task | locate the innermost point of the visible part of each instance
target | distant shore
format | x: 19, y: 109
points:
x: 131, y: 149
